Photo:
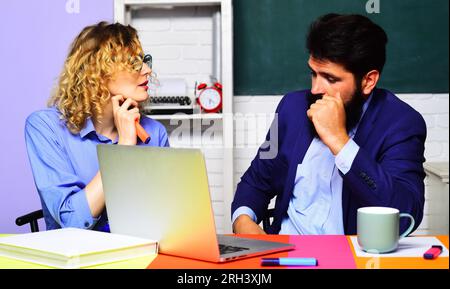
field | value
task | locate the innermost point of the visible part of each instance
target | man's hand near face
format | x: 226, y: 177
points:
x: 329, y: 119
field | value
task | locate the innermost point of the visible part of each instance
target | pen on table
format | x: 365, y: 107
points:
x: 289, y: 262
x: 433, y: 252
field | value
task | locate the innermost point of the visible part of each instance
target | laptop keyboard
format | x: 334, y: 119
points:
x: 224, y: 249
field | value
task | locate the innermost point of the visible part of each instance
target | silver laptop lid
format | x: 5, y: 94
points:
x: 161, y: 194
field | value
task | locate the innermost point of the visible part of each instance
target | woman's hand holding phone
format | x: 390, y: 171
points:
x: 126, y: 114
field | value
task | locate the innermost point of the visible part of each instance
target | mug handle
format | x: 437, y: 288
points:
x: 410, y: 226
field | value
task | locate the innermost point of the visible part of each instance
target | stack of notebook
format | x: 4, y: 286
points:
x: 75, y: 248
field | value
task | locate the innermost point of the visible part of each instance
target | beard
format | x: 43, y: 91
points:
x: 353, y: 110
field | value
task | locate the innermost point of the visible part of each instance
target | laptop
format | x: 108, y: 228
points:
x: 163, y: 194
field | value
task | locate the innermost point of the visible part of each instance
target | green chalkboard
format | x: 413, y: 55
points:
x: 269, y: 43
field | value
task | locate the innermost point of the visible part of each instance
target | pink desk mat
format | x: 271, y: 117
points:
x: 332, y: 252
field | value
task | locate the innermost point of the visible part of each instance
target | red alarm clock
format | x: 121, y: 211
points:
x: 210, y: 98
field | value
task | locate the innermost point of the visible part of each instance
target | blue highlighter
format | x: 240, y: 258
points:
x: 289, y: 262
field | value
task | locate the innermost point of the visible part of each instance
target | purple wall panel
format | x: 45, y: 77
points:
x: 34, y: 41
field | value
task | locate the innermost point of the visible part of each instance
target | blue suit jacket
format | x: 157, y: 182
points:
x: 387, y: 171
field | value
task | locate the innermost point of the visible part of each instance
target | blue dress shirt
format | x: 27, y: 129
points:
x: 64, y: 163
x: 315, y: 207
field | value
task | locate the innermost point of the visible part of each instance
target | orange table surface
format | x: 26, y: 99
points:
x: 163, y: 261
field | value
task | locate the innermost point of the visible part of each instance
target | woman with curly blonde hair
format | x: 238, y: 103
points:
x: 96, y: 101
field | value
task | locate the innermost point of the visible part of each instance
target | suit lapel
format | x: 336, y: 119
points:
x: 361, y: 137
x: 366, y: 125
x: 303, y: 141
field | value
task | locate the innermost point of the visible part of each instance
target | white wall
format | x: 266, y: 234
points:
x: 180, y: 41
x: 434, y: 109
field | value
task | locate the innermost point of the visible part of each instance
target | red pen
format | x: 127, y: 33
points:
x: 140, y: 131
x: 433, y: 252
x: 142, y: 134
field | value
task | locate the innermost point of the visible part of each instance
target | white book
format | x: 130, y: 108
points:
x: 75, y: 248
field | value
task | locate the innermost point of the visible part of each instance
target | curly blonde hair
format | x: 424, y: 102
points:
x: 95, y: 55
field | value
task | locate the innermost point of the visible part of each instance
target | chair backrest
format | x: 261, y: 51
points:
x: 31, y: 218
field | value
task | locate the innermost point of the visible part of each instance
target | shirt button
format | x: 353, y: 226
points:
x: 86, y: 224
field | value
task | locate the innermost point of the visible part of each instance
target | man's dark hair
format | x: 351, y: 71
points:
x: 352, y: 41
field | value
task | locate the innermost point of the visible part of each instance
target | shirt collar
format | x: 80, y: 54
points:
x: 364, y: 109
x: 88, y: 128
x: 366, y: 104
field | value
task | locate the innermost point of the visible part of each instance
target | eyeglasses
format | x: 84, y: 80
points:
x: 148, y: 59
x: 138, y: 61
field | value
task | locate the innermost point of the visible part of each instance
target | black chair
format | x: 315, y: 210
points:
x: 31, y: 218
x: 266, y: 219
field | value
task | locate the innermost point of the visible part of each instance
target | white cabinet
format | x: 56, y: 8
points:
x: 436, y: 215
